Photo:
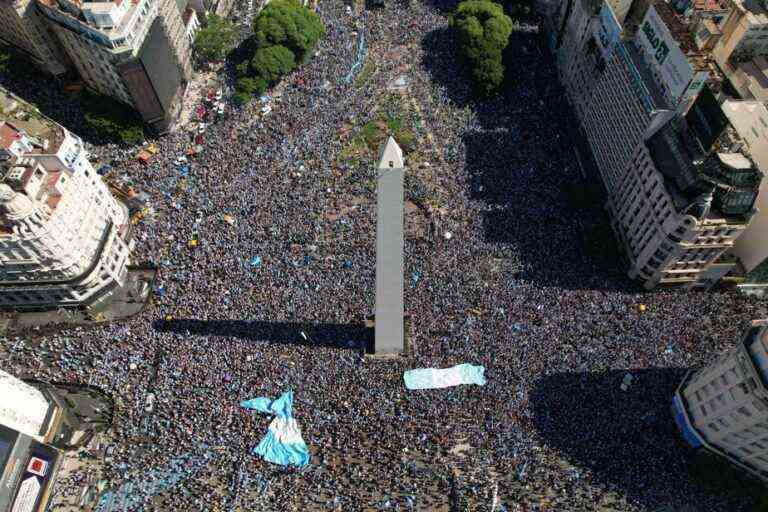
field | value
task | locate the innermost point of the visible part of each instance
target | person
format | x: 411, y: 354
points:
x: 549, y: 336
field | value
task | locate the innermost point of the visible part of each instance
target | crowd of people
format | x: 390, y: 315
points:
x: 266, y: 301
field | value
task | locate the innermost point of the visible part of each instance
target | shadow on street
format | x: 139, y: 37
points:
x: 343, y: 336
x: 520, y: 159
x: 626, y: 439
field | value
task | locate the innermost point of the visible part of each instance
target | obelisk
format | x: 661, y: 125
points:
x: 389, y: 250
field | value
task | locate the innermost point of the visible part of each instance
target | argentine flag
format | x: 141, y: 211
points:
x: 435, y: 378
x: 283, y: 443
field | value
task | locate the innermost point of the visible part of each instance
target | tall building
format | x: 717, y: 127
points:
x: 617, y: 75
x: 750, y: 121
x: 684, y: 198
x: 723, y: 408
x: 37, y: 420
x: 22, y: 27
x: 643, y: 93
x: 64, y: 239
x: 29, y: 421
x: 744, y: 33
x: 136, y: 51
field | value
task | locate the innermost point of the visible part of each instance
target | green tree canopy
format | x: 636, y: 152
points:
x: 213, y: 41
x: 251, y: 86
x: 111, y: 119
x: 272, y: 62
x: 483, y: 32
x: 287, y: 23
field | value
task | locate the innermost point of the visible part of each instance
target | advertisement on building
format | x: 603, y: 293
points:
x: 36, y: 479
x: 663, y: 54
x: 26, y: 498
x: 608, y: 30
x: 692, y: 91
x: 27, y: 471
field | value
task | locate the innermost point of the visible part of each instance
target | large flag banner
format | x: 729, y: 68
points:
x: 432, y: 378
x: 283, y: 443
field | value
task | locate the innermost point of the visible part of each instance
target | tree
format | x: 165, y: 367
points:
x: 213, y: 41
x: 483, y: 32
x: 241, y: 98
x: 287, y: 23
x: 272, y: 62
x: 246, y: 87
x: 111, y: 119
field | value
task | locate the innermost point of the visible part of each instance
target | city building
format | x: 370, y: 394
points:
x: 736, y: 34
x: 64, y: 239
x: 22, y: 27
x: 723, y: 407
x: 37, y: 421
x: 618, y: 75
x: 30, y: 421
x: 750, y: 121
x: 136, y: 51
x: 643, y: 92
x: 744, y: 33
x: 685, y: 197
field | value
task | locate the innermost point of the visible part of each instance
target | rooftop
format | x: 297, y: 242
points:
x: 679, y: 29
x: 74, y: 9
x: 745, y: 116
x: 755, y: 11
x: 750, y: 78
x: 25, y: 117
x: 8, y: 135
x: 707, y: 174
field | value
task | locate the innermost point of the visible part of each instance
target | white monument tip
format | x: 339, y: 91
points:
x: 391, y: 156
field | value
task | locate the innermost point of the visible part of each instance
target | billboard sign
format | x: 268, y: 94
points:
x: 26, y: 498
x: 663, y: 54
x: 37, y: 466
x: 696, y: 85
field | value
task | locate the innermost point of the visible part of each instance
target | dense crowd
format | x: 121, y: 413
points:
x: 512, y: 288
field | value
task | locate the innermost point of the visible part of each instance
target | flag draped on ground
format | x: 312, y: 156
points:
x: 283, y: 443
x: 430, y: 378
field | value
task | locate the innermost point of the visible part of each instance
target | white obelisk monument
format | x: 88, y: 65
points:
x: 389, y: 250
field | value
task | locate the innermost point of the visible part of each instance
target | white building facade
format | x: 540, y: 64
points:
x: 64, y: 239
x: 619, y: 79
x: 724, y: 406
x: 750, y: 120
x: 137, y: 52
x: 24, y: 408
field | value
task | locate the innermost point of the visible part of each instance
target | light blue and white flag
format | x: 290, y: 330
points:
x: 431, y: 378
x: 283, y: 443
